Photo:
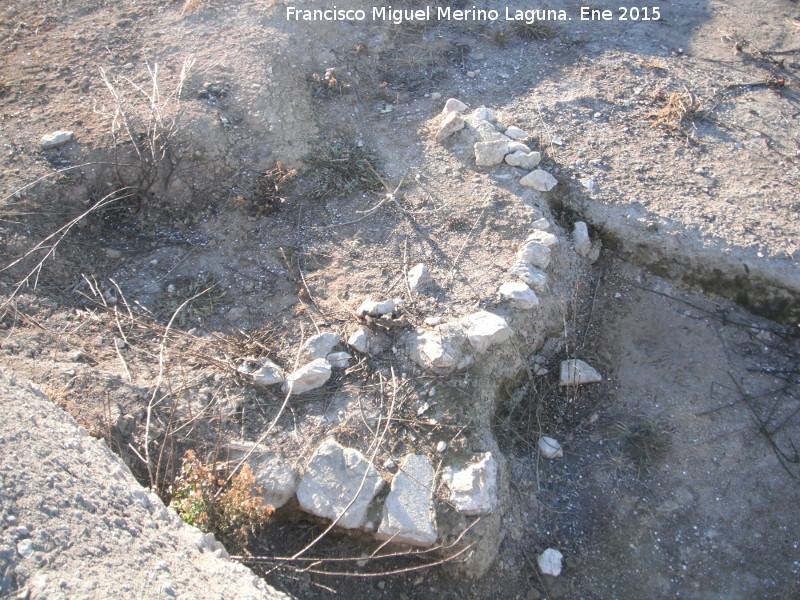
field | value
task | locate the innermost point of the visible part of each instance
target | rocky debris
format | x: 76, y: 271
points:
x: 56, y: 139
x: 483, y: 129
x: 90, y: 530
x: 376, y: 309
x: 550, y: 448
x: 318, y: 346
x: 214, y: 89
x: 308, y: 377
x: 409, y: 515
x: 473, y: 488
x: 485, y: 329
x: 550, y: 561
x: 526, y: 272
x: 524, y: 160
x: 540, y: 180
x: 331, y: 484
x: 419, y: 276
x: 262, y: 371
x: 519, y: 295
x: 360, y: 340
x: 339, y: 360
x: 484, y: 114
x: 273, y: 474
x: 577, y: 372
x: 490, y: 153
x: 535, y: 254
x: 443, y: 350
x: 543, y: 237
x: 452, y: 123
x: 454, y: 105
x: 515, y: 133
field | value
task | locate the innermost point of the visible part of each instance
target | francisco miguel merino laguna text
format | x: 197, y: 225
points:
x: 398, y: 16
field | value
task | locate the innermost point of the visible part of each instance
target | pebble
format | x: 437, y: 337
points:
x: 577, y: 372
x: 25, y: 548
x: 56, y: 139
x: 454, y: 105
x: 550, y: 562
x: 550, y: 448
x: 390, y: 465
x: 441, y: 447
x: 436, y: 96
x: 540, y: 180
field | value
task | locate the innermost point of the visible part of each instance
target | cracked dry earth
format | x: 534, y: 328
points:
x: 678, y: 476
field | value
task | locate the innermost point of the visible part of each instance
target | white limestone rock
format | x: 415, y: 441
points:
x: 56, y: 139
x: 517, y: 147
x: 533, y: 277
x: 515, y: 133
x: 273, y: 474
x: 308, y: 377
x: 540, y: 180
x: 519, y: 295
x: 490, y: 153
x: 452, y: 123
x: 577, y: 372
x: 580, y: 237
x: 473, y: 488
x: 524, y: 160
x: 332, y: 480
x: 454, y: 105
x: 445, y: 349
x: 360, y: 340
x: 535, y: 254
x: 550, y: 448
x: 419, y: 276
x: 376, y: 309
x: 485, y: 329
x: 262, y: 371
x: 483, y: 113
x: 541, y: 223
x: 550, y: 562
x: 409, y: 515
x: 339, y: 360
x: 318, y: 346
x: 543, y: 237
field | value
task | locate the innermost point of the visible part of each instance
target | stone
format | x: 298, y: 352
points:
x: 543, y: 237
x: 308, y: 377
x: 331, y: 484
x: 550, y: 448
x: 441, y: 447
x: 445, y: 348
x: 580, y: 237
x: 473, y: 488
x: 376, y: 309
x: 524, y: 160
x: 360, y: 340
x: 540, y: 180
x: 550, y: 562
x: 515, y: 133
x: 577, y: 372
x: 490, y: 153
x: 433, y: 321
x: 409, y: 515
x: 436, y: 96
x: 535, y: 254
x: 418, y: 276
x: 454, y: 105
x: 533, y: 277
x: 56, y: 139
x: 263, y: 372
x: 484, y: 114
x: 485, y: 329
x: 541, y: 223
x: 25, y: 548
x: 518, y: 147
x: 519, y: 295
x: 318, y: 346
x: 450, y: 125
x: 339, y: 360
x: 273, y: 474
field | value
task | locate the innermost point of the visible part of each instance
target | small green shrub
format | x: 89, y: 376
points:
x: 231, y: 509
x: 340, y: 169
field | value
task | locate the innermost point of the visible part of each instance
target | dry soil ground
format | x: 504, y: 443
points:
x: 680, y: 474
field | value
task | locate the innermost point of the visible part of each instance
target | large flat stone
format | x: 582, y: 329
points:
x: 331, y: 484
x: 473, y: 488
x: 409, y: 515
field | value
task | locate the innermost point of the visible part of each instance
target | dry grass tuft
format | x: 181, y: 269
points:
x: 679, y: 108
